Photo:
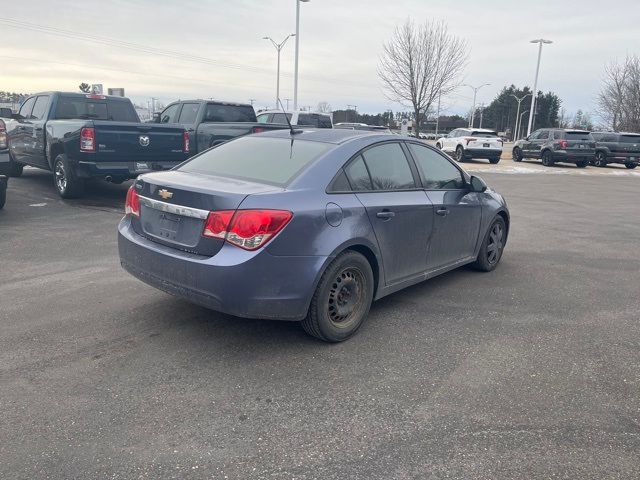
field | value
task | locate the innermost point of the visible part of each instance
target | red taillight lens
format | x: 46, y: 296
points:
x: 3, y: 126
x: 132, y: 204
x: 470, y: 139
x: 258, y: 129
x: 185, y: 142
x: 563, y: 144
x: 88, y: 139
x: 248, y: 229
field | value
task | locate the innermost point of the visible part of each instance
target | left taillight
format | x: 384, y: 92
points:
x: 258, y: 129
x: 132, y: 204
x: 470, y: 139
x: 247, y: 229
x: 87, y: 139
x: 185, y: 142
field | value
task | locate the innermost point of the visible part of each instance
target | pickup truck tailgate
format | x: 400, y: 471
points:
x: 120, y: 141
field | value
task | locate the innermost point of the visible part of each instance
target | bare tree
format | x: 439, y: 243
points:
x: 419, y: 63
x: 324, y: 107
x: 619, y: 99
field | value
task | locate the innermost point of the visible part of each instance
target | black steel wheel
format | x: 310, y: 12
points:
x: 342, y: 299
x: 15, y: 168
x: 582, y: 164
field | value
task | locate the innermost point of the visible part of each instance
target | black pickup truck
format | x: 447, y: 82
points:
x: 77, y: 136
x: 210, y: 123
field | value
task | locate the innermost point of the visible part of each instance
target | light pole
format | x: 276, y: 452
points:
x: 519, y: 100
x: 475, y: 93
x: 534, y: 92
x: 295, y: 75
x: 355, y: 109
x: 520, y: 122
x: 278, y: 47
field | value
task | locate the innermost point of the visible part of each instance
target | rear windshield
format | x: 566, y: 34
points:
x: 95, y: 109
x: 314, y: 120
x: 629, y: 138
x: 484, y: 134
x: 229, y: 113
x: 577, y: 136
x: 274, y: 161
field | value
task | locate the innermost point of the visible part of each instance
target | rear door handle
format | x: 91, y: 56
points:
x: 442, y: 212
x: 385, y: 214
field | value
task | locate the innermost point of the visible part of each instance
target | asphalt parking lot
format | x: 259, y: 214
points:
x: 531, y: 371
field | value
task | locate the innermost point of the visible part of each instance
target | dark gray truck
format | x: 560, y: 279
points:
x: 77, y: 136
x: 210, y: 123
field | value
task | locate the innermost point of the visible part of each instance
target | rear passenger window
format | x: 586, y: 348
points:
x: 340, y: 183
x: 388, y: 167
x: 169, y: 114
x: 436, y: 171
x: 189, y: 113
x: 358, y: 175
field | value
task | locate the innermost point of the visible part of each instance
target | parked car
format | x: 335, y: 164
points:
x: 557, y: 145
x: 363, y: 127
x: 467, y: 143
x: 77, y: 136
x: 614, y: 147
x: 4, y: 170
x: 210, y: 123
x: 308, y: 119
x: 6, y: 123
x: 311, y: 226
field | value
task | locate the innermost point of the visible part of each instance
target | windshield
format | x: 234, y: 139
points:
x: 273, y: 161
x: 79, y: 108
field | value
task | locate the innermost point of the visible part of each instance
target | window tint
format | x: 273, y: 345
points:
x: 578, y: 136
x: 484, y: 134
x: 25, y: 109
x: 40, y: 108
x: 80, y: 107
x: 189, y: 113
x: 263, y: 118
x: 340, y: 183
x: 535, y: 135
x: 324, y: 121
x: 436, y: 171
x: 258, y: 159
x: 229, y: 113
x: 122, y: 112
x: 358, y: 175
x: 169, y: 115
x: 280, y: 118
x: 388, y: 167
x: 543, y: 135
x: 598, y: 137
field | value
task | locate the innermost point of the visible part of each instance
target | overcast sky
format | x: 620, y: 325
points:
x: 340, y: 41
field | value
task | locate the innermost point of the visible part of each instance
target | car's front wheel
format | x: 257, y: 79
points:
x: 582, y: 163
x: 492, y: 247
x: 342, y: 299
x: 460, y: 154
x: 517, y: 154
x: 494, y: 160
x: 67, y: 184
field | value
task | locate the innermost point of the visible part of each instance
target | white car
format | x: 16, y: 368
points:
x: 6, y: 124
x: 467, y: 143
x: 309, y: 119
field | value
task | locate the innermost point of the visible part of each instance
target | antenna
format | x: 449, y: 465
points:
x: 291, y: 130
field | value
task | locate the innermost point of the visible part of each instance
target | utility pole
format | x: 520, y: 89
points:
x: 481, y: 114
x: 287, y: 100
x: 251, y: 100
x: 355, y: 109
x: 534, y: 92
x: 295, y: 74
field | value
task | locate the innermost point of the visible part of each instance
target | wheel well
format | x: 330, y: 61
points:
x: 56, y: 149
x: 373, y: 261
x: 505, y: 217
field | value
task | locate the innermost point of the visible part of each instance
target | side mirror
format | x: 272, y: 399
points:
x: 477, y: 184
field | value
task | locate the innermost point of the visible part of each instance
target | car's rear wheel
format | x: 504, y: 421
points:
x: 547, y: 158
x: 15, y: 168
x: 65, y: 179
x: 582, y: 163
x: 460, y: 154
x: 517, y: 154
x: 492, y: 246
x: 3, y: 191
x: 630, y: 166
x: 342, y: 299
x: 494, y: 160
x: 601, y: 160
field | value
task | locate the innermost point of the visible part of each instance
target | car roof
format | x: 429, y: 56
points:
x: 569, y: 130
x: 329, y: 135
x: 79, y: 95
x: 479, y: 129
x: 217, y: 102
x: 292, y: 112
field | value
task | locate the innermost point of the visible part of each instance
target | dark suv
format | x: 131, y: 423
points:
x: 557, y: 145
x: 612, y: 147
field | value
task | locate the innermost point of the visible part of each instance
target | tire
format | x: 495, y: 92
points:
x: 67, y: 183
x: 517, y: 154
x: 15, y: 168
x: 600, y: 160
x: 3, y: 192
x: 630, y: 166
x: 342, y: 298
x: 547, y: 158
x: 494, y: 160
x: 460, y: 154
x: 492, y: 246
x: 582, y: 164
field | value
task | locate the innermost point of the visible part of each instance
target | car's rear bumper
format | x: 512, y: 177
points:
x: 633, y: 159
x: 483, y: 152
x: 124, y: 169
x: 573, y: 157
x: 234, y: 281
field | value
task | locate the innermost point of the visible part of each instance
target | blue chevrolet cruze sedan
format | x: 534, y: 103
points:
x: 308, y: 225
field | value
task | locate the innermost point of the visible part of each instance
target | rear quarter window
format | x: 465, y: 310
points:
x: 274, y: 161
x: 578, y: 136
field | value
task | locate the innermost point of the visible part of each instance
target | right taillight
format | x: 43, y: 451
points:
x: 132, y: 204
x: 87, y: 139
x: 247, y: 229
x: 185, y: 142
x: 3, y: 134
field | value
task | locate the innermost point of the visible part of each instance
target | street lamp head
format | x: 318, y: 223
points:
x: 266, y: 38
x: 541, y: 40
x: 304, y: 1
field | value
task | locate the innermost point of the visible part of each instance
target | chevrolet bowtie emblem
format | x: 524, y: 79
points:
x: 165, y: 193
